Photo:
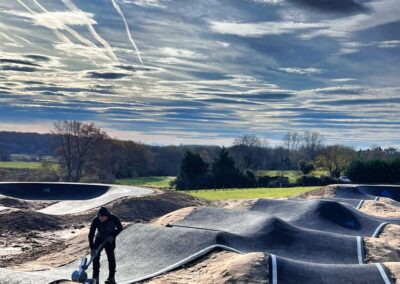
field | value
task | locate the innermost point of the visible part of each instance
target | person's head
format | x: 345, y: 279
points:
x: 103, y: 214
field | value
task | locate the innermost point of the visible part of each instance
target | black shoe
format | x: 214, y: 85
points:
x: 110, y: 280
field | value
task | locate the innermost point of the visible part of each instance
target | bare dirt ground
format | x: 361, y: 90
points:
x: 323, y: 192
x: 235, y: 204
x: 381, y: 208
x: 22, y: 204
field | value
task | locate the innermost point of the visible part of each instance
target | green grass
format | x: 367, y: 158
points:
x: 154, y: 181
x: 20, y: 165
x: 234, y: 193
x: 292, y: 175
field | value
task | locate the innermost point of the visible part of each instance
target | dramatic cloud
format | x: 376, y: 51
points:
x: 342, y: 6
x: 260, y: 29
x: 57, y: 20
x: 254, y: 66
x: 294, y: 70
x: 106, y: 75
x: 149, y: 3
x: 17, y: 68
x: 389, y: 44
x: 38, y: 57
x: 18, y: 61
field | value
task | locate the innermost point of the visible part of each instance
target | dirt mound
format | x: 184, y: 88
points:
x: 235, y: 204
x: 57, y: 255
x: 150, y: 207
x: 323, y: 192
x: 22, y: 204
x: 220, y: 267
x: 173, y: 217
x: 394, y: 268
x: 24, y: 221
x: 380, y: 208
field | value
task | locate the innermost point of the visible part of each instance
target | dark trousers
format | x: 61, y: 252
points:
x: 109, y: 248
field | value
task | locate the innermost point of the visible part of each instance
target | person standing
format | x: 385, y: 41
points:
x: 108, y: 227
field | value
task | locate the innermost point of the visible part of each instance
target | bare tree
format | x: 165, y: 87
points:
x: 78, y: 147
x: 250, y: 152
x: 248, y: 140
x: 292, y: 141
x: 312, y: 142
x: 335, y: 159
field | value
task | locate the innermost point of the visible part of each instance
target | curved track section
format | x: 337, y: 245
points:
x: 323, y: 215
x: 368, y: 192
x: 70, y: 198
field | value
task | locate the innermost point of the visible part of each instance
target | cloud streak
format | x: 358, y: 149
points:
x: 264, y: 67
x: 93, y: 32
x: 260, y: 29
x: 337, y: 6
x: 128, y: 32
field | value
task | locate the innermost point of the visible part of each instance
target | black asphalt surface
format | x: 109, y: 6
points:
x: 52, y: 191
x: 368, y: 192
x: 323, y: 215
x: 293, y: 272
x: 356, y: 203
x: 258, y: 232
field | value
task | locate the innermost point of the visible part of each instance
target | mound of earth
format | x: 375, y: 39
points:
x: 24, y: 221
x: 22, y: 204
x: 323, y: 192
x: 220, y: 267
x: 394, y: 269
x: 235, y: 204
x: 380, y: 208
x: 146, y: 208
x: 72, y: 248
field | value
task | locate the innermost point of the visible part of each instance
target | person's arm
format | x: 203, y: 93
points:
x: 118, y: 226
x: 92, y: 231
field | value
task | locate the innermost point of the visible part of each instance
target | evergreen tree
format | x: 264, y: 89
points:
x: 224, y: 174
x: 193, y: 172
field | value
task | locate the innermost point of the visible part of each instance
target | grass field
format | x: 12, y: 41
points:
x: 20, y: 165
x: 154, y: 181
x: 212, y: 194
x: 292, y: 175
x: 250, y: 193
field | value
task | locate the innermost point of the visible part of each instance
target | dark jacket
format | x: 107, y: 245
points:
x: 111, y: 228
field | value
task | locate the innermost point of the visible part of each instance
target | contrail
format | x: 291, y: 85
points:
x: 93, y: 32
x: 60, y: 35
x: 70, y: 30
x: 23, y: 39
x: 116, y: 6
x: 26, y: 7
x: 56, y: 32
x: 8, y: 37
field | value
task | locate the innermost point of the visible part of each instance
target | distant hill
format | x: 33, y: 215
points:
x: 26, y: 143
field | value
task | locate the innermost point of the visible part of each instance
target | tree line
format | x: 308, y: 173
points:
x: 86, y: 153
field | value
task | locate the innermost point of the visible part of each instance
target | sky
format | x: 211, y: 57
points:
x: 204, y: 71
